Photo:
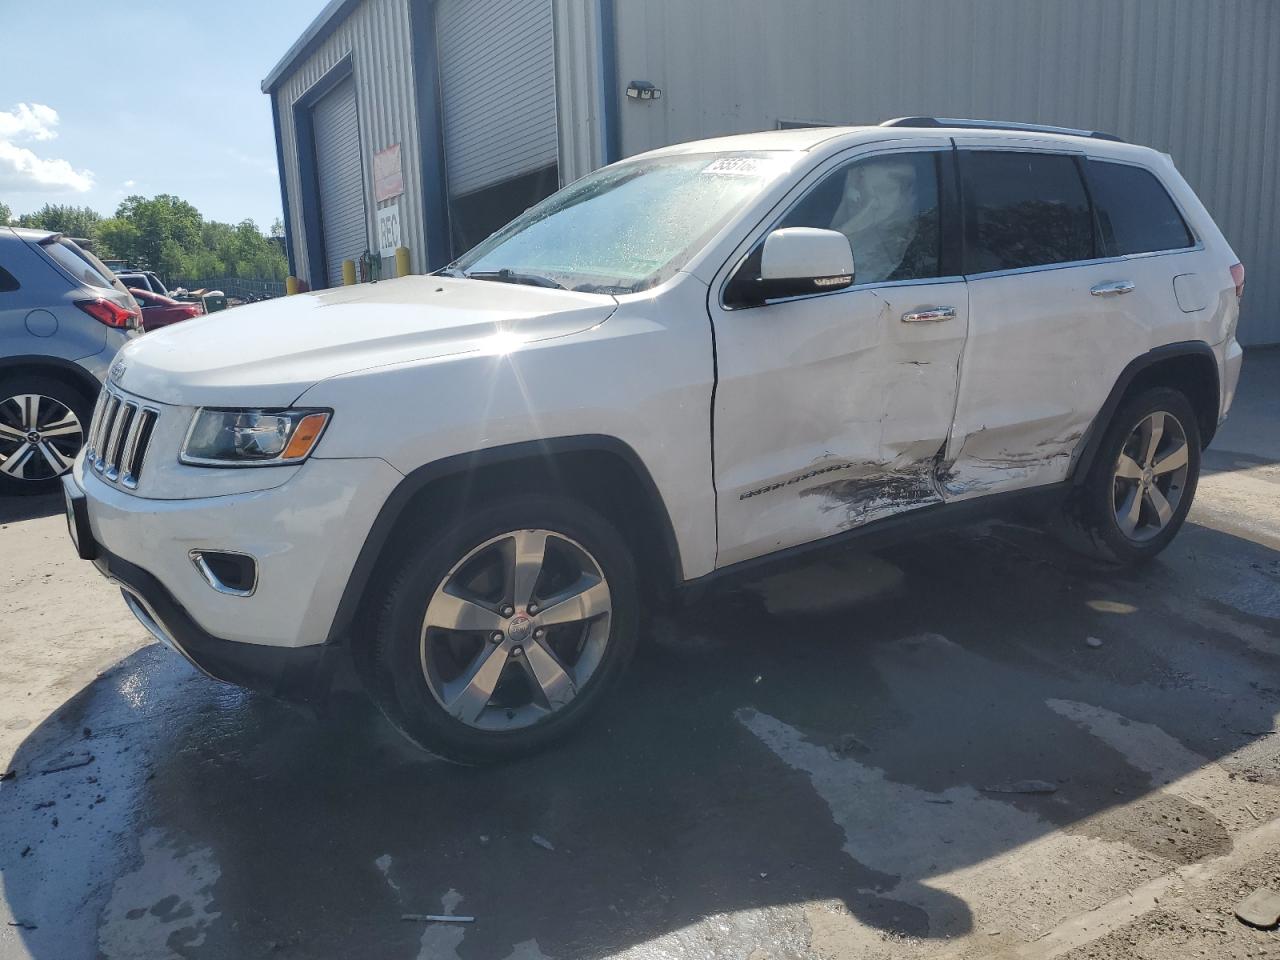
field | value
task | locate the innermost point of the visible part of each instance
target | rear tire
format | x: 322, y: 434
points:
x: 1141, y: 483
x: 43, y: 425
x: 504, y: 631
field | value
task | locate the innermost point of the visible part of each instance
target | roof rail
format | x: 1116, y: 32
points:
x: 998, y: 125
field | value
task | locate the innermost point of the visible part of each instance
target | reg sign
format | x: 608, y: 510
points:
x: 388, y: 230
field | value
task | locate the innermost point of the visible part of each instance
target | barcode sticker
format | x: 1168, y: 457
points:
x: 739, y: 166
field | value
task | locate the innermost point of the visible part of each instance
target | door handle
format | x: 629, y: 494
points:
x: 931, y: 315
x: 1113, y: 289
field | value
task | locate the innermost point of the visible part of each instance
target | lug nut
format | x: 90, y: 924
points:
x: 541, y: 631
x: 508, y: 611
x: 533, y: 608
x: 517, y: 651
x: 496, y: 636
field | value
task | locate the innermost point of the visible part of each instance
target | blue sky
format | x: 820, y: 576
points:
x: 150, y: 97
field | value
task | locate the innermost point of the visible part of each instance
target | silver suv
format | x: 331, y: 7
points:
x: 63, y: 316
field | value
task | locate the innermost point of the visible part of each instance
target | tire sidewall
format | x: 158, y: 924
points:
x: 1098, y: 507
x: 20, y: 383
x: 407, y: 698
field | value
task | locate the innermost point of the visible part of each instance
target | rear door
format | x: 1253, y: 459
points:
x: 831, y: 410
x: 1054, y: 319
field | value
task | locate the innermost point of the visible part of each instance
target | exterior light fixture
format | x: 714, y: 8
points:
x: 643, y: 90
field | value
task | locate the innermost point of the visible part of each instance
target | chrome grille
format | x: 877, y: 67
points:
x: 118, y: 437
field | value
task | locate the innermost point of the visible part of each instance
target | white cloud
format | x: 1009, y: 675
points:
x: 21, y: 171
x: 28, y: 121
x: 128, y: 184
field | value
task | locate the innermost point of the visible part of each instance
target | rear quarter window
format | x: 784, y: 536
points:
x: 77, y: 263
x: 1135, y: 212
x: 8, y: 282
x: 1023, y: 210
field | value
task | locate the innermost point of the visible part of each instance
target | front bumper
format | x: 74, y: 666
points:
x: 292, y: 673
x: 304, y: 535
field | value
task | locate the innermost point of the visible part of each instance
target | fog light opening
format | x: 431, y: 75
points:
x: 235, y: 574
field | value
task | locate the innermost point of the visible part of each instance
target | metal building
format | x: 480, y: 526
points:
x: 429, y: 123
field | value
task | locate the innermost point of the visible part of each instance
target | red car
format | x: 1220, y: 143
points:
x: 158, y: 311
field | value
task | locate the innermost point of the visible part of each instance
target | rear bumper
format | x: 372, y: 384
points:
x: 292, y: 673
x: 1231, y: 357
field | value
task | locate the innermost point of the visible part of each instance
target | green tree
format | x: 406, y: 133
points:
x: 168, y: 235
x: 166, y: 227
x: 73, y: 221
x: 118, y: 239
x: 5, y: 213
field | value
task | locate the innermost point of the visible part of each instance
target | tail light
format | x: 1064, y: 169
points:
x: 109, y: 312
x: 1237, y: 277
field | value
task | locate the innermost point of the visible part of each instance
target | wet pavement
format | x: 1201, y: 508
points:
x: 915, y: 753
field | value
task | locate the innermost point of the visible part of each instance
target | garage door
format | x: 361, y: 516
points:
x: 497, y: 72
x: 341, y: 180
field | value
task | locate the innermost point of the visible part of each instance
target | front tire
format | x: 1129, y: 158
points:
x: 504, y: 631
x: 1142, y: 482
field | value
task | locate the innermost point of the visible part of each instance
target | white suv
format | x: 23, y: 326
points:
x: 679, y: 367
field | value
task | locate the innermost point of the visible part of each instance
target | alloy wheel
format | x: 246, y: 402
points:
x: 39, y: 437
x: 515, y: 630
x: 1150, y: 476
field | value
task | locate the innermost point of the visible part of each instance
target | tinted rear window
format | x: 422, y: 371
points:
x: 1135, y: 212
x: 1023, y: 210
x: 74, y: 260
x: 8, y: 283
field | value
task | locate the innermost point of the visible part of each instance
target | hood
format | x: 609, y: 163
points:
x: 266, y: 354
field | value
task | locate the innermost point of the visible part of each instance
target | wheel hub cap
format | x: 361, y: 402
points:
x: 519, y: 628
x: 515, y: 630
x: 39, y: 437
x: 1150, y: 476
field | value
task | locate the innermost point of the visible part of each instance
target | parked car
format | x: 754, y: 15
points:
x: 63, y: 316
x: 678, y: 370
x: 142, y: 280
x: 158, y: 311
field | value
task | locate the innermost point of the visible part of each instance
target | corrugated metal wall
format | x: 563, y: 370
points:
x: 498, y: 89
x: 376, y: 36
x: 1199, y: 79
x: 580, y: 87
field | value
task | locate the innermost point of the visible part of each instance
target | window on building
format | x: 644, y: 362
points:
x: 888, y: 208
x: 1135, y: 212
x: 1023, y: 210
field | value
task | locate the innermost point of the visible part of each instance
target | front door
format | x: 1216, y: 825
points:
x: 833, y: 410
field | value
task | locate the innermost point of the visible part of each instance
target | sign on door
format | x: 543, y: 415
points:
x: 388, y: 230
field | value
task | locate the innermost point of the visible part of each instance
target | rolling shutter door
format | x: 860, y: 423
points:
x: 341, y: 180
x: 497, y: 70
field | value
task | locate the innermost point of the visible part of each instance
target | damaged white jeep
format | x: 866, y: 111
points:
x: 675, y: 369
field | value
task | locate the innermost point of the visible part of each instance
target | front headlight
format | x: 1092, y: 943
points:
x: 249, y: 438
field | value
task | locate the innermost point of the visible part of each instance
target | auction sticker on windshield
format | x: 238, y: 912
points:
x: 741, y: 166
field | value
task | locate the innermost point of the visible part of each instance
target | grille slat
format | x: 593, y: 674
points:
x: 119, y: 435
x: 110, y: 411
x: 136, y: 451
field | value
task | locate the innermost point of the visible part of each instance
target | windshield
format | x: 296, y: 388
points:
x: 626, y: 227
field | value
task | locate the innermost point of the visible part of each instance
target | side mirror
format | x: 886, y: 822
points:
x: 800, y: 260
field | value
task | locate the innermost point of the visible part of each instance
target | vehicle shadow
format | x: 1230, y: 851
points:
x: 776, y: 750
x: 15, y: 509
